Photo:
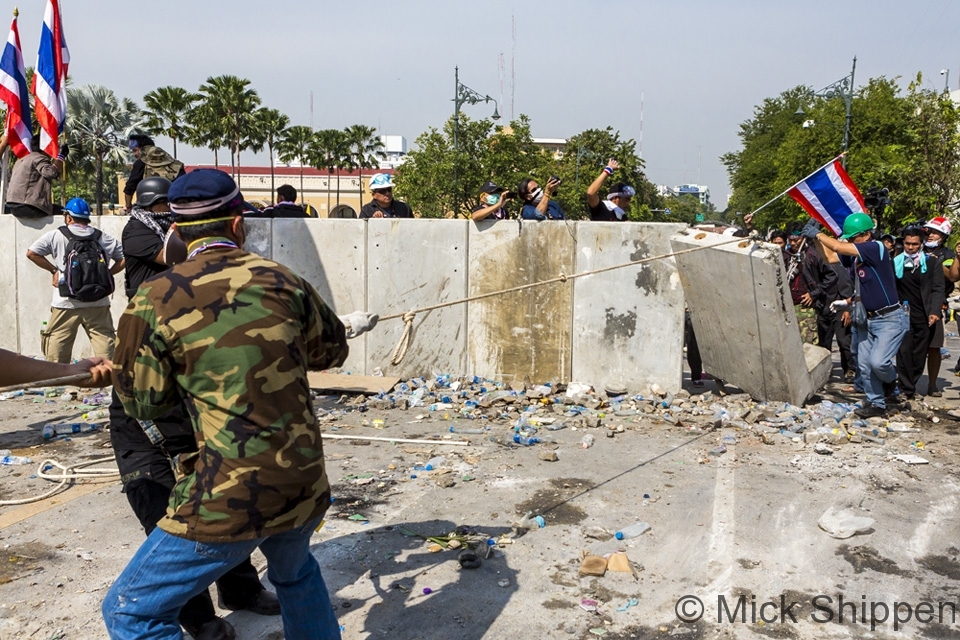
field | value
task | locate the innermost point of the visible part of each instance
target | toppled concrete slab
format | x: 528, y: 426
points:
x: 744, y: 320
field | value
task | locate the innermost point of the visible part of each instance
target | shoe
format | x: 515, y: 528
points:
x: 849, y: 376
x: 265, y: 604
x: 216, y: 629
x: 935, y: 393
x: 698, y: 383
x: 873, y: 411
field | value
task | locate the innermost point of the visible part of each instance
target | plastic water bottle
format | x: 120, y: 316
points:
x: 99, y: 414
x: 525, y: 440
x: 439, y: 406
x: 11, y: 394
x: 12, y: 460
x: 587, y: 441
x: 632, y: 531
x: 467, y: 431
x: 66, y: 428
x: 433, y: 463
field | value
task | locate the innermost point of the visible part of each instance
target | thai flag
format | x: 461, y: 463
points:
x: 50, y: 80
x: 13, y: 91
x: 829, y: 195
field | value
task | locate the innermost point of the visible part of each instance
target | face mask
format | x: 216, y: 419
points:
x: 537, y: 195
x: 931, y: 244
x: 493, y: 198
x: 912, y: 256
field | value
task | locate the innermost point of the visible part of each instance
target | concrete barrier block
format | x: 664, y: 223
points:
x: 744, y: 319
x: 259, y: 236
x: 627, y: 323
x: 412, y: 264
x: 523, y: 335
x: 34, y: 288
x: 10, y: 336
x: 330, y: 254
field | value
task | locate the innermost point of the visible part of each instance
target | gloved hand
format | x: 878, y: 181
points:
x: 811, y: 229
x: 359, y: 322
x: 64, y: 151
x: 839, y: 305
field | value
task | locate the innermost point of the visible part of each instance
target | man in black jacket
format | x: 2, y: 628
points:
x: 286, y: 206
x: 920, y: 285
x: 826, y: 283
x: 162, y: 164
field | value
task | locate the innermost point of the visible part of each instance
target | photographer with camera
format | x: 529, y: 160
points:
x: 492, y: 199
x: 537, y: 202
x: 614, y: 208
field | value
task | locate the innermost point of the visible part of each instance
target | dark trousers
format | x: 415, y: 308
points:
x: 830, y: 326
x: 693, y: 351
x: 912, y: 356
x: 148, y: 479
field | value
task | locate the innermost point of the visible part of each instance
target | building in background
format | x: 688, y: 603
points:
x: 699, y: 191
x: 556, y: 146
x: 395, y: 148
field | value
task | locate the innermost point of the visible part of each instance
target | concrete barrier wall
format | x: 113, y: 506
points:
x: 623, y: 326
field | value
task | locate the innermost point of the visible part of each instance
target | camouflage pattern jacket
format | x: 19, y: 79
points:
x: 233, y: 334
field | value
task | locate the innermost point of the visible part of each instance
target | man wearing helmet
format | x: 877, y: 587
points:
x: 67, y: 313
x: 886, y: 322
x: 383, y: 204
x: 937, y: 231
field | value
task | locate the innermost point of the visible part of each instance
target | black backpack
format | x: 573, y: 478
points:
x: 87, y: 275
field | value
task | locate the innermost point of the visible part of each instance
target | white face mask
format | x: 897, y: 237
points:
x: 537, y: 195
x: 931, y: 244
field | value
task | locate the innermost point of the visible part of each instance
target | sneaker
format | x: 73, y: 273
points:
x: 944, y: 353
x: 935, y: 393
x: 873, y: 411
x: 850, y: 376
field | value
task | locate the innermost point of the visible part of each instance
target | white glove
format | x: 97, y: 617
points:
x: 837, y: 305
x: 359, y: 322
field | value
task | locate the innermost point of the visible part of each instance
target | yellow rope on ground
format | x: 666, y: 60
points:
x: 403, y: 345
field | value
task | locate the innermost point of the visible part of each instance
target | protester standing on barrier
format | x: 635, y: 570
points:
x: 617, y: 203
x: 384, y: 205
x: 920, y: 284
x: 31, y: 182
x: 886, y: 321
x: 149, y: 161
x: 145, y: 451
x: 537, y: 202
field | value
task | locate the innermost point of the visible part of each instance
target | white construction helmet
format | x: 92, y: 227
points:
x: 381, y: 181
x: 939, y: 224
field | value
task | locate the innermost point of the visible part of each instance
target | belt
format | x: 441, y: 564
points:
x: 884, y: 311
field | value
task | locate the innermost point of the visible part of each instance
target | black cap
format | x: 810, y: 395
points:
x: 490, y: 187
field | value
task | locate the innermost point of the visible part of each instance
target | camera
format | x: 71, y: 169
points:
x: 876, y: 200
x: 556, y: 179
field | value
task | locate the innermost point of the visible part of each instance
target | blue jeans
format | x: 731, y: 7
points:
x: 166, y: 571
x: 876, y: 351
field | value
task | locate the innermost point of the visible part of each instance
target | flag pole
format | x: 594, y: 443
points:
x: 787, y: 190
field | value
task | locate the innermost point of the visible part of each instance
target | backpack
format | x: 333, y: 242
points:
x: 159, y: 163
x: 87, y: 276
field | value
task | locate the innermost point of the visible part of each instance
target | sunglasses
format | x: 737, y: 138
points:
x: 390, y: 190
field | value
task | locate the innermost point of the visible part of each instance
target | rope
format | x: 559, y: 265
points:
x: 67, y: 473
x: 401, y: 349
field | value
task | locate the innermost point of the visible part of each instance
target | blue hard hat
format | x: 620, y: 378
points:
x: 78, y: 208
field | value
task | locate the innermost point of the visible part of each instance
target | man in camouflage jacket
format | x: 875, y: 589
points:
x: 231, y: 335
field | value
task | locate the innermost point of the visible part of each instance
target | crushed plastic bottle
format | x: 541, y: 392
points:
x: 438, y: 406
x: 525, y: 440
x: 587, y: 441
x: 66, y: 428
x: 11, y: 394
x: 434, y: 463
x: 632, y: 531
x: 530, y: 521
x: 98, y: 414
x: 467, y: 431
x: 14, y: 460
x: 557, y: 426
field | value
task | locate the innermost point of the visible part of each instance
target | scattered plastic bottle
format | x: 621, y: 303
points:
x: 66, y: 396
x: 98, y: 414
x: 438, y: 406
x: 66, y: 428
x: 14, y: 460
x: 632, y: 531
x: 5, y: 452
x: 556, y: 426
x: 467, y: 431
x: 11, y: 394
x: 530, y: 521
x: 434, y: 463
x: 525, y: 440
x: 587, y: 441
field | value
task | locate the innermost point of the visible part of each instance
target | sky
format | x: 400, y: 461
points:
x: 678, y: 76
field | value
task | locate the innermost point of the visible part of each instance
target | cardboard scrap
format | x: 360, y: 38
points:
x: 911, y: 459
x: 619, y: 562
x: 350, y: 383
x: 593, y: 566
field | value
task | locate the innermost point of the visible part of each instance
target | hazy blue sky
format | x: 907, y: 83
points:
x: 702, y: 65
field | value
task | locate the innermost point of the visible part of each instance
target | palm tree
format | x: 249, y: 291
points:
x: 232, y: 103
x: 328, y: 150
x: 99, y: 125
x: 205, y: 130
x: 366, y: 149
x: 294, y: 146
x: 272, y: 124
x: 166, y: 112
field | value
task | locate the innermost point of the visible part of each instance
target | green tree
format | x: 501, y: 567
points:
x: 98, y: 128
x: 166, y: 112
x: 366, y: 150
x: 329, y: 150
x: 232, y: 104
x: 272, y: 124
x: 204, y: 129
x: 294, y: 146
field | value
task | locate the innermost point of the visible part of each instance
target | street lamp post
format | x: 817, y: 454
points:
x: 946, y: 81
x: 842, y: 88
x: 462, y: 94
x: 581, y: 153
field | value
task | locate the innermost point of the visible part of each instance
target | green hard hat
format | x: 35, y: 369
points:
x: 855, y: 224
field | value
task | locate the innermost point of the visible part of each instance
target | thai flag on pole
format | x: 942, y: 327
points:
x: 829, y: 195
x: 13, y: 92
x: 50, y: 80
